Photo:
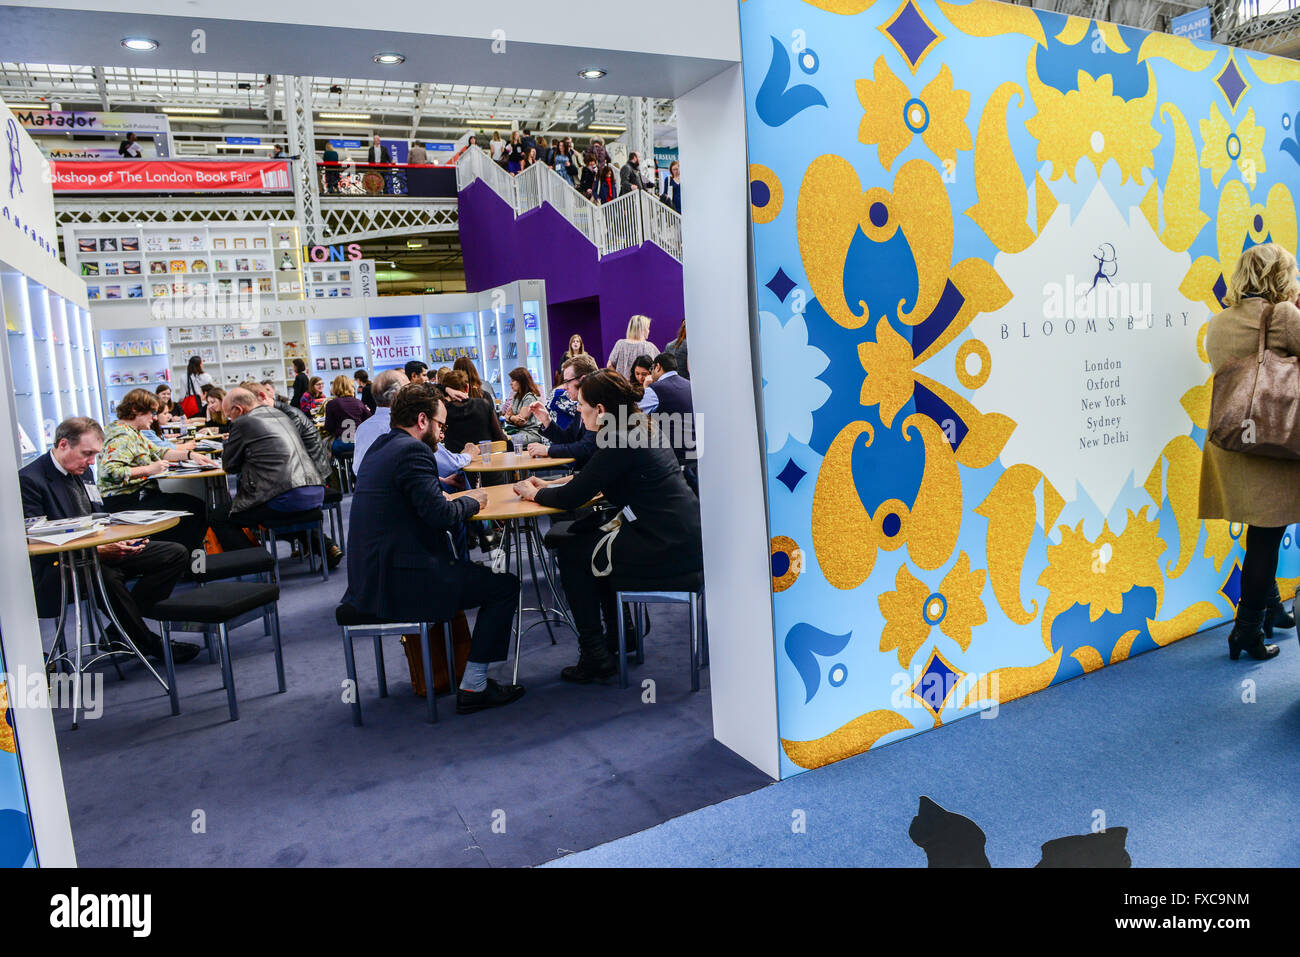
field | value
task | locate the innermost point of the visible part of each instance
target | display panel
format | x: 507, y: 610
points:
x: 987, y: 241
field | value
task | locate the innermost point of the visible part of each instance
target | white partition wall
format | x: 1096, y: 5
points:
x: 742, y: 670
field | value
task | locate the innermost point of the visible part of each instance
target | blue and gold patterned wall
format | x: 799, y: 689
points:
x: 987, y: 243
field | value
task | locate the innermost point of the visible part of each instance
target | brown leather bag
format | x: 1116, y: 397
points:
x: 1255, y: 406
x: 460, y: 639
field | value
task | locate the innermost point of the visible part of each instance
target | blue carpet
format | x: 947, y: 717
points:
x: 294, y: 783
x: 1163, y: 745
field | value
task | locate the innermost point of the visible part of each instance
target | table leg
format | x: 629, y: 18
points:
x: 530, y: 540
x: 112, y: 616
x: 519, y: 611
x: 561, y: 606
x: 76, y: 637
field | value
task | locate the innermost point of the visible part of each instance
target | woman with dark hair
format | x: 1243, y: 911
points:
x: 677, y: 349
x: 478, y: 389
x: 300, y: 382
x: 562, y: 161
x: 216, y: 418
x: 314, y: 397
x: 658, y: 535
x: 195, y: 380
x: 515, y: 152
x: 530, y: 158
x: 520, y: 420
x: 606, y: 187
x: 362, y: 379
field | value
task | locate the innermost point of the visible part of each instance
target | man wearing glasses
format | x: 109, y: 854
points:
x: 577, y: 442
x: 399, y: 565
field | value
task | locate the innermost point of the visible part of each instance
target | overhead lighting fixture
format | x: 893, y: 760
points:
x: 605, y: 128
x: 389, y: 59
x: 344, y: 116
x: 28, y: 106
x: 192, y: 110
x: 414, y: 244
x: 196, y: 119
x: 140, y: 44
x: 591, y: 74
x: 492, y: 123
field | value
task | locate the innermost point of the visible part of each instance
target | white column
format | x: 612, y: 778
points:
x: 733, y: 507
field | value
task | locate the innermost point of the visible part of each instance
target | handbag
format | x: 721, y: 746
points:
x: 460, y: 640
x: 190, y: 406
x: 1255, y: 405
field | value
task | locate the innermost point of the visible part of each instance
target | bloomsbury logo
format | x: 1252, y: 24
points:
x: 15, y: 158
x: 77, y: 910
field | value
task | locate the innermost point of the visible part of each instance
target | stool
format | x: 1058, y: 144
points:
x: 334, y: 505
x: 683, y: 589
x: 347, y: 478
x: 309, y: 521
x: 237, y: 563
x: 226, y: 605
x: 357, y: 624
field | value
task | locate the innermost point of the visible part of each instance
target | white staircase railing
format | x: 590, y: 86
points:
x: 623, y: 223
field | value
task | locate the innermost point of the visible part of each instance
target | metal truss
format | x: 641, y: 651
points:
x: 1267, y: 32
x: 302, y: 143
x: 345, y: 220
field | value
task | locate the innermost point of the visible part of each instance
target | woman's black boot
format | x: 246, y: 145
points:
x: 1248, y: 635
x: 594, y: 661
x: 1276, y: 615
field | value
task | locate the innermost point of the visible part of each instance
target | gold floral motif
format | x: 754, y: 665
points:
x: 890, y: 119
x: 1216, y: 151
x: 909, y: 615
x: 1098, y: 573
x: 905, y: 626
x: 6, y: 732
x: 1218, y: 542
x: 890, y: 378
x: 844, y: 742
x: 1092, y: 122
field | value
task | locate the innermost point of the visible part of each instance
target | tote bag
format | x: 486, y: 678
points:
x: 1255, y: 406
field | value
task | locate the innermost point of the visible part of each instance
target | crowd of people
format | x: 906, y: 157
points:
x: 591, y: 172
x: 410, y: 433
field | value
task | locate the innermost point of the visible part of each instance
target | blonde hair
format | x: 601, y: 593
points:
x: 638, y: 327
x: 1267, y: 271
x: 342, y: 385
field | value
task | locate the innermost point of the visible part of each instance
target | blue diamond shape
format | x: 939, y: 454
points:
x: 1231, y: 589
x: 791, y: 475
x: 935, y: 683
x: 1220, y: 290
x: 781, y: 284
x: 912, y: 34
x: 1231, y: 83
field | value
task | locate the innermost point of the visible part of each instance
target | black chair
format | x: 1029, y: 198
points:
x: 310, y: 521
x: 356, y: 624
x: 226, y: 605
x: 235, y: 564
x: 347, y: 477
x: 334, y: 505
x: 683, y: 589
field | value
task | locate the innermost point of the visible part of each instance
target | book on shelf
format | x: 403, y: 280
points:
x: 130, y: 244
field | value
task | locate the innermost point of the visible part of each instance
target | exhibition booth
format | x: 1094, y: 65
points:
x: 960, y: 388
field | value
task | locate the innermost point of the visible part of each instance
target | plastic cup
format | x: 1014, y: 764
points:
x: 518, y: 442
x: 485, y: 450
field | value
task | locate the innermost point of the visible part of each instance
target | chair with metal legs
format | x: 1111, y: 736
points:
x: 356, y: 624
x: 225, y: 605
x: 683, y: 589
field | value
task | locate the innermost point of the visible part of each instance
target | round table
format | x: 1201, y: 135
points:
x: 522, y: 536
x: 82, y: 561
x: 509, y: 462
x: 216, y: 491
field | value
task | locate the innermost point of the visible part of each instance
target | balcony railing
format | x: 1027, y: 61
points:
x: 623, y: 223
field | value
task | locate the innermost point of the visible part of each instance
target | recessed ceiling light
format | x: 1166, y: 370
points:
x: 140, y: 44
x: 591, y: 74
x: 389, y: 59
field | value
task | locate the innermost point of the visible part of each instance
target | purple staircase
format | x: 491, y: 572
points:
x: 586, y: 293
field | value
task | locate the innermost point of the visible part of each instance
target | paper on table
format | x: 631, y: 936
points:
x: 56, y: 538
x: 144, y: 516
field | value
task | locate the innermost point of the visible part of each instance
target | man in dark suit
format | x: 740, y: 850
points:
x: 378, y: 153
x: 577, y: 442
x: 59, y: 485
x: 399, y: 566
